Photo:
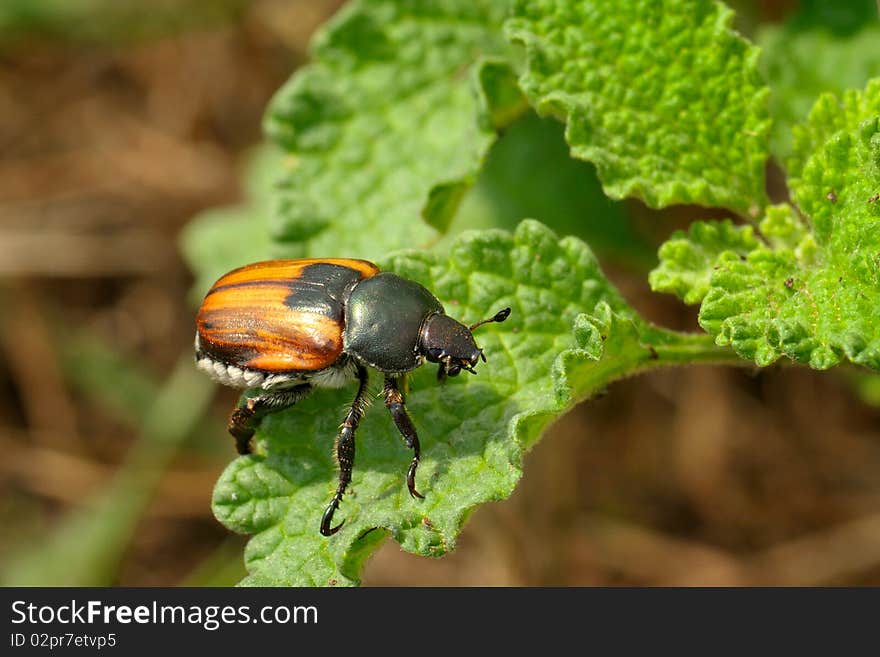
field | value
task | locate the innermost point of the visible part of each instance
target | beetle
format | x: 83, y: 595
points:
x: 282, y: 328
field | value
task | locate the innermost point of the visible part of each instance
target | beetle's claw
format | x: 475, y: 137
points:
x: 327, y: 518
x: 416, y: 494
x: 411, y: 480
x: 326, y: 531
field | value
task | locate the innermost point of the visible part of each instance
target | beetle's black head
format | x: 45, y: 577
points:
x: 451, y: 344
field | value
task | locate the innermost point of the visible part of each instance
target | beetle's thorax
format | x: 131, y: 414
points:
x: 384, y: 317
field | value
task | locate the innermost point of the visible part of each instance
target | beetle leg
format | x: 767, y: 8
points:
x: 247, y: 417
x: 395, y: 404
x: 345, y: 451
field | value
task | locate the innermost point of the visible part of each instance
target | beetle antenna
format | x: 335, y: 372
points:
x: 500, y: 316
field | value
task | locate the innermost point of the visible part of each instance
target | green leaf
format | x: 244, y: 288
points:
x: 800, y: 64
x: 687, y: 258
x: 390, y: 121
x: 569, y: 334
x: 665, y: 98
x: 810, y: 290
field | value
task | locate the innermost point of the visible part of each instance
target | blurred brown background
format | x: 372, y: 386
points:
x: 113, y: 135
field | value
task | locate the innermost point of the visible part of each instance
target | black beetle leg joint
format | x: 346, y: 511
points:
x: 241, y: 427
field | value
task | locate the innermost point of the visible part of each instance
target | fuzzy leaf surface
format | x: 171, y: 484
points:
x: 810, y: 289
x: 664, y: 98
x: 569, y: 334
x: 687, y: 258
x: 389, y: 122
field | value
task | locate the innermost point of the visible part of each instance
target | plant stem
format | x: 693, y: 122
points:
x: 693, y: 348
x: 660, y: 348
